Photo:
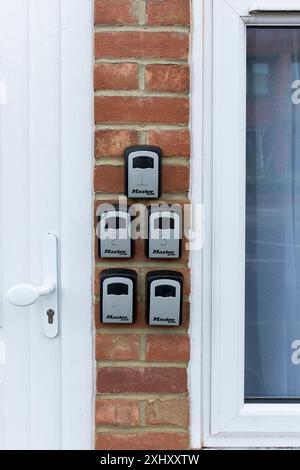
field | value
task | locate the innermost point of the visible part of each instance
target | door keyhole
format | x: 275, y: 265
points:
x: 50, y: 314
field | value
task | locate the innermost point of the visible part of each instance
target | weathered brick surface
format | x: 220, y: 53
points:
x: 167, y: 348
x: 117, y: 412
x: 111, y: 143
x: 174, y: 143
x: 116, y: 77
x: 145, y: 110
x: 141, y: 380
x: 174, y: 412
x: 171, y: 78
x: 113, y: 12
x: 142, y: 441
x: 168, y: 12
x: 111, y: 347
x: 137, y: 44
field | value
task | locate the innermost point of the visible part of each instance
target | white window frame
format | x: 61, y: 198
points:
x: 216, y: 372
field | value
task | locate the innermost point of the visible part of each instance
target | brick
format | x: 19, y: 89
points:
x: 170, y: 78
x: 131, y: 109
x: 175, y: 179
x: 140, y: 320
x: 112, y: 142
x: 117, y: 347
x: 116, y: 76
x: 141, y: 380
x: 138, y: 44
x: 173, y: 143
x: 117, y: 412
x: 174, y: 412
x: 167, y: 348
x: 168, y: 12
x: 109, y: 179
x: 142, y: 441
x: 115, y: 12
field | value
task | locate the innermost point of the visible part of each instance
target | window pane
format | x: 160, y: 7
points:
x: 272, y: 363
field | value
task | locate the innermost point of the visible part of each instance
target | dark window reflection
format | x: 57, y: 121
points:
x: 259, y: 77
x: 273, y: 215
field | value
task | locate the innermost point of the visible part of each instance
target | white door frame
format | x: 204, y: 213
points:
x: 200, y: 261
x: 243, y: 430
x: 77, y: 33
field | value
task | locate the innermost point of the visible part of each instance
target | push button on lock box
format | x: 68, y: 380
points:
x: 164, y: 233
x: 118, y: 296
x: 164, y: 298
x: 142, y: 171
x: 115, y: 239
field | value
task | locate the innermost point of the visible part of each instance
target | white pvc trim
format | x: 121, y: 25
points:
x: 194, y: 370
x: 78, y: 364
x: 280, y: 7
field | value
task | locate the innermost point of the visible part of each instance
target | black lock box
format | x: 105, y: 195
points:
x: 114, y: 234
x: 164, y: 298
x: 118, y: 296
x: 164, y: 232
x: 143, y: 172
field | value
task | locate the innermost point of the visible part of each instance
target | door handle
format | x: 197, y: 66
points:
x: 23, y: 295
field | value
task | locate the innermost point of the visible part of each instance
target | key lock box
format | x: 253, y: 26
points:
x: 143, y: 172
x: 118, y: 294
x: 115, y: 239
x: 164, y: 298
x: 164, y: 233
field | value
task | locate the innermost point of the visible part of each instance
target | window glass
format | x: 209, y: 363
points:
x: 272, y: 335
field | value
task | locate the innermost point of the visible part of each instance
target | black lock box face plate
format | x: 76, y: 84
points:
x: 143, y: 172
x: 118, y: 296
x: 164, y: 298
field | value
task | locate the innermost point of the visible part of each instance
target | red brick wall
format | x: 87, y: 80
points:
x: 142, y: 96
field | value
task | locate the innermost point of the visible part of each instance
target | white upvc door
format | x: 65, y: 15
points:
x: 230, y: 420
x: 46, y: 383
